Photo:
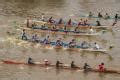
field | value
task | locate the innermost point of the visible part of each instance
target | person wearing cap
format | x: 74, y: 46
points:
x: 46, y: 62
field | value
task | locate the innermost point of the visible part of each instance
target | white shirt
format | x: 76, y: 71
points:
x: 91, y: 30
x: 97, y: 46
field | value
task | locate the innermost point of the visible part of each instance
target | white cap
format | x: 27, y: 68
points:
x: 45, y: 60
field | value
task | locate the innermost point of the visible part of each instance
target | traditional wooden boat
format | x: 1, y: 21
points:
x: 65, y: 46
x: 61, y: 32
x: 74, y: 24
x: 65, y: 67
x: 96, y: 17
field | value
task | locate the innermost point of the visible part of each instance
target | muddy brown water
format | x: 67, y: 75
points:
x: 14, y: 12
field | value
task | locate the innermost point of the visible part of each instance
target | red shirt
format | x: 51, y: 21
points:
x: 101, y: 67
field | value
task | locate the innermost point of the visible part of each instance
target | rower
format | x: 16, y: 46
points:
x: 69, y: 22
x: 60, y: 21
x: 42, y: 17
x: 114, y: 23
x: 46, y: 40
x: 116, y: 17
x: 85, y: 23
x: 54, y: 28
x: 28, y: 25
x: 30, y: 60
x: 46, y: 62
x: 58, y: 64
x: 86, y: 67
x: 100, y: 15
x: 80, y: 22
x: 90, y: 14
x: 73, y: 65
x: 84, y: 44
x: 91, y: 30
x: 59, y: 42
x: 24, y: 35
x: 50, y: 20
x: 34, y: 25
x: 43, y: 27
x: 72, y: 44
x: 98, y: 23
x: 107, y: 16
x: 101, y: 67
x: 76, y: 30
x: 35, y: 38
x: 96, y: 46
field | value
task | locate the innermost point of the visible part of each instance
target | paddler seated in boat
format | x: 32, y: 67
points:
x: 84, y: 45
x: 91, y: 30
x: 72, y: 44
x: 42, y: 17
x: 107, y: 16
x: 80, y: 23
x: 85, y: 23
x: 58, y: 64
x: 30, y: 60
x: 114, y: 23
x: 46, y: 40
x: 59, y: 42
x: 101, y: 67
x: 24, y: 37
x: 69, y: 22
x: 43, y: 27
x: 96, y: 46
x: 116, y: 17
x: 46, y: 62
x: 73, y: 65
x: 100, y: 15
x: 34, y: 25
x: 86, y: 67
x: 51, y: 20
x: 60, y: 21
x: 98, y: 23
x: 90, y: 14
x: 76, y: 30
x: 54, y: 28
x: 28, y: 23
x: 35, y: 38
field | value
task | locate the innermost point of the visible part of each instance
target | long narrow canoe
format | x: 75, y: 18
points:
x: 73, y: 25
x: 78, y: 48
x: 71, y: 33
x: 96, y: 17
x: 65, y: 67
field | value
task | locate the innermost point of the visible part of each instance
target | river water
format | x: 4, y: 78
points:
x: 14, y: 12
